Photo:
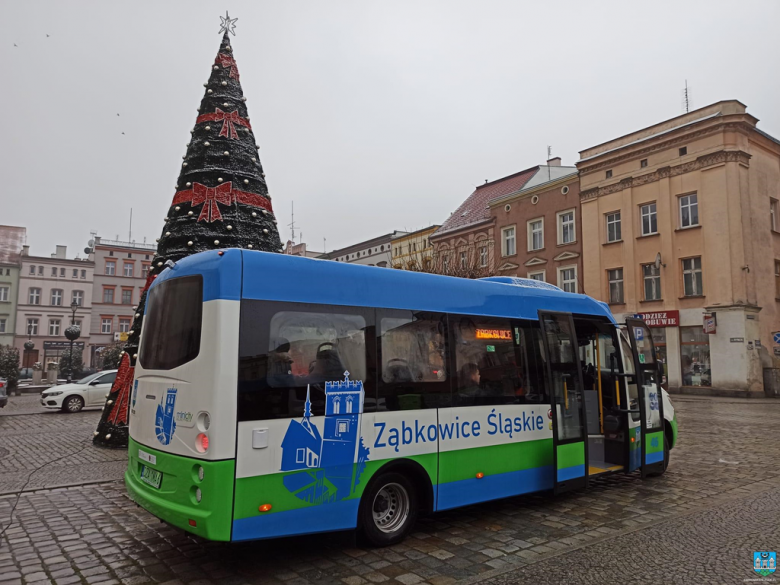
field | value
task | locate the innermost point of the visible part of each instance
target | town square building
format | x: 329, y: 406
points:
x: 681, y: 224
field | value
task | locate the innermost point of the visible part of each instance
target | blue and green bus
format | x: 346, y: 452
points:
x: 276, y: 395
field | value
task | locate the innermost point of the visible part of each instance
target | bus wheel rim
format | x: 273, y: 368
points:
x: 390, y: 507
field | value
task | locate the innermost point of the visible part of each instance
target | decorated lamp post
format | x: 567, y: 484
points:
x: 220, y: 200
x: 72, y: 333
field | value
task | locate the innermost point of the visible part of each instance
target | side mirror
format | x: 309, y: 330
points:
x: 94, y: 382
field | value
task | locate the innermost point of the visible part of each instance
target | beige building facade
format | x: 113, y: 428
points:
x: 681, y: 224
x: 414, y: 250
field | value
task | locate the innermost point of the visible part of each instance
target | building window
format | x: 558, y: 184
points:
x: 566, y: 230
x: 508, y: 241
x: 105, y: 325
x: 32, y: 269
x: 83, y: 274
x: 124, y: 325
x: 127, y: 296
x: 108, y: 295
x: 773, y: 214
x: 777, y: 279
x: 62, y: 272
x: 56, y: 298
x: 445, y: 262
x: 4, y: 292
x: 689, y: 210
x: 535, y: 234
x: 683, y: 151
x: 609, y: 174
x: 54, y: 327
x: 537, y: 275
x: 652, y: 280
x: 128, y: 269
x: 35, y: 296
x: 40, y: 270
x: 695, y: 357
x: 414, y: 246
x: 613, y: 227
x: 110, y: 267
x: 32, y: 326
x: 643, y: 163
x: 463, y: 260
x: 615, y: 278
x: 54, y: 271
x: 75, y: 273
x: 2, y: 324
x: 145, y: 269
x: 567, y: 279
x: 692, y: 279
x: 649, y: 219
x: 483, y: 257
x: 78, y: 297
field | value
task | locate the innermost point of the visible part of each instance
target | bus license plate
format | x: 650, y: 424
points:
x: 151, y: 476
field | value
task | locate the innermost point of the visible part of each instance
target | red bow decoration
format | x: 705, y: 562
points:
x: 209, y: 197
x: 228, y: 119
x: 228, y: 61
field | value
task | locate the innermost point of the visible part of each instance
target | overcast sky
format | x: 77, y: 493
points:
x: 371, y: 116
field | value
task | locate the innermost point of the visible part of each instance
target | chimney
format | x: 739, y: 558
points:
x: 62, y: 252
x: 25, y: 250
x: 554, y: 162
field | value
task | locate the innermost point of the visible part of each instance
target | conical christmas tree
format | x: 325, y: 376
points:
x: 221, y: 201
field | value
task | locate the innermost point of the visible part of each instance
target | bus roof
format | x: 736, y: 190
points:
x: 280, y: 277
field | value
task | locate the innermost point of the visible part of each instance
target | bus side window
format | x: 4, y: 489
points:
x: 412, y: 360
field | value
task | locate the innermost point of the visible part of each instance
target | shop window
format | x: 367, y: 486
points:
x: 659, y: 340
x: 695, y: 357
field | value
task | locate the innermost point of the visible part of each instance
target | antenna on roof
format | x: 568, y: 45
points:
x: 686, y: 98
x: 292, y: 223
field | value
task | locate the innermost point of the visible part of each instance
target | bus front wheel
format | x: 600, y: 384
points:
x: 388, y: 509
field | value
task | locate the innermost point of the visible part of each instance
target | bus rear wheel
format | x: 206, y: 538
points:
x: 388, y: 509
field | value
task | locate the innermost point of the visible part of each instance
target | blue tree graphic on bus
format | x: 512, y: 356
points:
x: 164, y: 425
x: 326, y: 463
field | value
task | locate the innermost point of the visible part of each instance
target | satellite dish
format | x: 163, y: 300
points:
x: 658, y: 261
x: 91, y: 243
x: 88, y: 250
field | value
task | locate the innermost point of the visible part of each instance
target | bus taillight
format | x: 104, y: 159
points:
x: 202, y: 442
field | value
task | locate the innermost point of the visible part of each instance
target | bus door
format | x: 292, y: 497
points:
x: 570, y: 441
x: 651, y: 435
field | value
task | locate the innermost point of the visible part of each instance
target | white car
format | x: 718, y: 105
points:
x: 89, y: 391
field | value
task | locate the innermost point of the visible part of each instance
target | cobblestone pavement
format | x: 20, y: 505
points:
x: 61, y: 442
x: 700, y: 522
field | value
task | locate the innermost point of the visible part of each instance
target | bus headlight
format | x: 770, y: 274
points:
x: 202, y: 443
x: 204, y: 421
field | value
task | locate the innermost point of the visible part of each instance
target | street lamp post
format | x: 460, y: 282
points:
x: 29, y: 345
x: 72, y: 333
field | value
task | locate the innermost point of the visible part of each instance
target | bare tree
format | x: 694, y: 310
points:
x: 471, y: 260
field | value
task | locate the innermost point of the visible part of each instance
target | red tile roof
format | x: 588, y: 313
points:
x: 11, y: 242
x: 475, y: 208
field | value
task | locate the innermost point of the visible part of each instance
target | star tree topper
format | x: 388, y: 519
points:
x: 228, y: 25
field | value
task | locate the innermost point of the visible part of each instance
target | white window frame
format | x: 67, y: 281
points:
x: 618, y: 223
x: 692, y: 271
x: 562, y: 226
x: 112, y: 265
x: 124, y: 324
x: 34, y: 293
x: 483, y: 256
x: 506, y: 238
x: 5, y: 292
x: 655, y: 277
x: 106, y: 325
x: 54, y: 327
x: 124, y: 269
x: 58, y: 293
x: 532, y: 273
x: 3, y: 324
x: 621, y: 280
x: 690, y: 207
x: 561, y: 283
x: 32, y: 322
x: 530, y: 230
x: 78, y: 297
x: 650, y: 215
x: 774, y: 211
x: 463, y: 260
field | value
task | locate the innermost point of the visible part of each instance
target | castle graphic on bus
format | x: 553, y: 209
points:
x: 326, y: 462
